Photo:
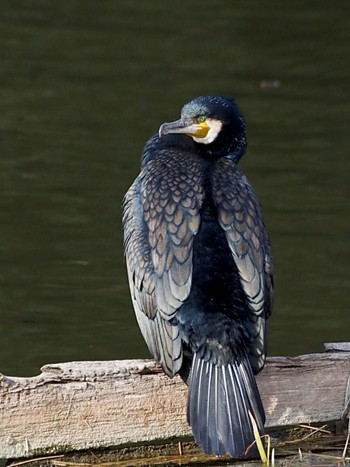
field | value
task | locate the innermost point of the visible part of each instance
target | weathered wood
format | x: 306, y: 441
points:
x: 337, y: 347
x: 84, y: 405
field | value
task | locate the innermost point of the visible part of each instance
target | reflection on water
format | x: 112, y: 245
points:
x: 83, y: 85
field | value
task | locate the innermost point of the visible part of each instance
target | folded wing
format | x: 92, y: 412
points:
x: 240, y: 216
x: 161, y: 216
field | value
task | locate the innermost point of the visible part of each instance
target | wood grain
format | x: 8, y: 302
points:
x: 84, y: 405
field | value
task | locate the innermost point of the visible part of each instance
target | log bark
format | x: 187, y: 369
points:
x: 85, y: 405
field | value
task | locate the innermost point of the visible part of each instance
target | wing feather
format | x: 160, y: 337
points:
x: 240, y: 216
x: 161, y: 216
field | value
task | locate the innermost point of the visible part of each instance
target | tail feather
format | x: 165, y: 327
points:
x: 219, y: 402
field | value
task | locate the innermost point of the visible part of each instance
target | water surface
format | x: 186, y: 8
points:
x: 84, y: 84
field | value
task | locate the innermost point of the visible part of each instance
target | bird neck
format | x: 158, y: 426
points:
x: 225, y: 146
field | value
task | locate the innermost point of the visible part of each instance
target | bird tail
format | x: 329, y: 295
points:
x: 220, y: 399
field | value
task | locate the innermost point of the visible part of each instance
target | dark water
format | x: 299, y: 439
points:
x: 83, y: 84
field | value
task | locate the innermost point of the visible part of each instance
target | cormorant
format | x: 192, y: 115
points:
x: 200, y: 269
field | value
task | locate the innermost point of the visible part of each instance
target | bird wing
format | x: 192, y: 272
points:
x: 240, y: 216
x: 161, y: 216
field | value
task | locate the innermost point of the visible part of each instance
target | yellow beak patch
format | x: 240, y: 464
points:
x: 198, y: 130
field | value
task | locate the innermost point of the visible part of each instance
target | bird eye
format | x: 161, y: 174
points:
x: 201, y: 118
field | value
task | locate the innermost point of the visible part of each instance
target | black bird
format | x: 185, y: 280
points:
x: 200, y: 269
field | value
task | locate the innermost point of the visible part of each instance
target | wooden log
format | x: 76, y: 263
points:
x: 84, y: 405
x: 337, y: 347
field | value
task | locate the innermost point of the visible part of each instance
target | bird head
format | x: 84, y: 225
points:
x: 214, y: 121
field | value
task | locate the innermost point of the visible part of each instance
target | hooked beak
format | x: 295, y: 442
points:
x: 188, y: 127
